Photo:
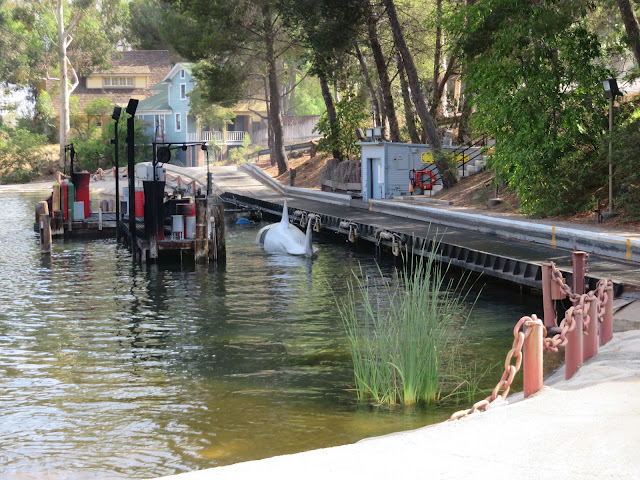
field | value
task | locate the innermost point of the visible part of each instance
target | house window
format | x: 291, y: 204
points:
x: 183, y: 91
x: 117, y: 82
x: 178, y: 122
x: 182, y: 73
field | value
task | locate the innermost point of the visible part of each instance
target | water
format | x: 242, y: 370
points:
x: 113, y: 370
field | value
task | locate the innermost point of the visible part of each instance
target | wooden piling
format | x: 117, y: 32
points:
x: 201, y: 242
x: 42, y: 215
x: 57, y: 223
x: 217, y: 239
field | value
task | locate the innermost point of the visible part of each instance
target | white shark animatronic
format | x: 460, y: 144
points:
x: 283, y: 237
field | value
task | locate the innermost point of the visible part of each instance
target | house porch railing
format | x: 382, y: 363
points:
x: 221, y: 138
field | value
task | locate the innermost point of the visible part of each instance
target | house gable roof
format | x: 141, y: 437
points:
x: 176, y: 68
x: 153, y: 64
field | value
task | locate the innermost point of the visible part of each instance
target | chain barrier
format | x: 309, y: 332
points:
x: 509, y: 370
x: 580, y: 306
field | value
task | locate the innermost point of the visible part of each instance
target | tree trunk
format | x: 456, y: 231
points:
x: 385, y: 84
x: 292, y: 88
x: 331, y: 111
x: 436, y: 102
x: 408, y: 106
x: 464, y: 128
x: 631, y: 25
x: 275, y: 115
x: 272, y: 158
x: 448, y: 177
x: 372, y: 92
x: 437, y: 108
x: 64, y: 82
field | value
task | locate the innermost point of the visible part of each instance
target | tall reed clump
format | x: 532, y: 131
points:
x: 403, y: 335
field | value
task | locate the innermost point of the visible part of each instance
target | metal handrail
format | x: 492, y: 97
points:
x: 463, y: 148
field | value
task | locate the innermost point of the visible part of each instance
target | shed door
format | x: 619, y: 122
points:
x: 377, y: 179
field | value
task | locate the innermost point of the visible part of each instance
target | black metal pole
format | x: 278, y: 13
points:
x: 208, y: 176
x: 131, y: 153
x: 117, y: 164
x: 154, y: 159
x: 132, y: 184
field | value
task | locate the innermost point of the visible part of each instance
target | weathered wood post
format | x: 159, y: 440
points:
x: 201, y: 243
x: 217, y: 241
x: 42, y: 214
x: 57, y: 223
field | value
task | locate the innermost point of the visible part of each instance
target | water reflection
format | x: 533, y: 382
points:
x: 112, y: 370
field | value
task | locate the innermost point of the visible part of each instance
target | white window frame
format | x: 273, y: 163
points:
x: 183, y: 91
x: 118, y: 82
x: 178, y: 120
x: 182, y: 75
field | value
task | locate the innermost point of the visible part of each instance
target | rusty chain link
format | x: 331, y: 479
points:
x: 509, y: 370
x: 580, y: 306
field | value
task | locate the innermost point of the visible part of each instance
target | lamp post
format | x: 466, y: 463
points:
x: 611, y: 91
x: 131, y: 151
x: 116, y: 116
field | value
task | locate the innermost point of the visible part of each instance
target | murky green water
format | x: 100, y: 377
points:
x: 112, y: 370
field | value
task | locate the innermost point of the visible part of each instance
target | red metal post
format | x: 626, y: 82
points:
x: 532, y: 351
x: 573, y: 350
x: 590, y: 340
x: 606, y: 329
x: 579, y: 261
x: 547, y: 299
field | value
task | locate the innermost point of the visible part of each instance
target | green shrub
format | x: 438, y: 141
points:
x: 21, y: 158
x: 351, y: 115
x: 626, y: 173
x: 97, y: 151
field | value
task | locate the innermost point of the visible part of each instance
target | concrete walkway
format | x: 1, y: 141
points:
x: 584, y: 428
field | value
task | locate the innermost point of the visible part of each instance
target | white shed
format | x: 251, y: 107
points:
x: 386, y: 168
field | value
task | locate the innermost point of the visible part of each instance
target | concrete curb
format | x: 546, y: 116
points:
x: 610, y: 245
x: 326, y: 197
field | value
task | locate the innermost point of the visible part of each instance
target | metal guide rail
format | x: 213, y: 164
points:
x: 522, y: 272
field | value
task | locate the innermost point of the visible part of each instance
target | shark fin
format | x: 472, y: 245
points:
x: 285, y: 213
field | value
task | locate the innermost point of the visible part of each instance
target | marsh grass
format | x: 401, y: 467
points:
x: 404, y: 335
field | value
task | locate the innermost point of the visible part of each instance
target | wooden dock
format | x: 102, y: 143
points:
x: 206, y: 243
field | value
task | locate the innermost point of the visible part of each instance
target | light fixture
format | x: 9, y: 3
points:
x: 132, y: 106
x: 369, y: 134
x: 116, y: 113
x: 377, y: 132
